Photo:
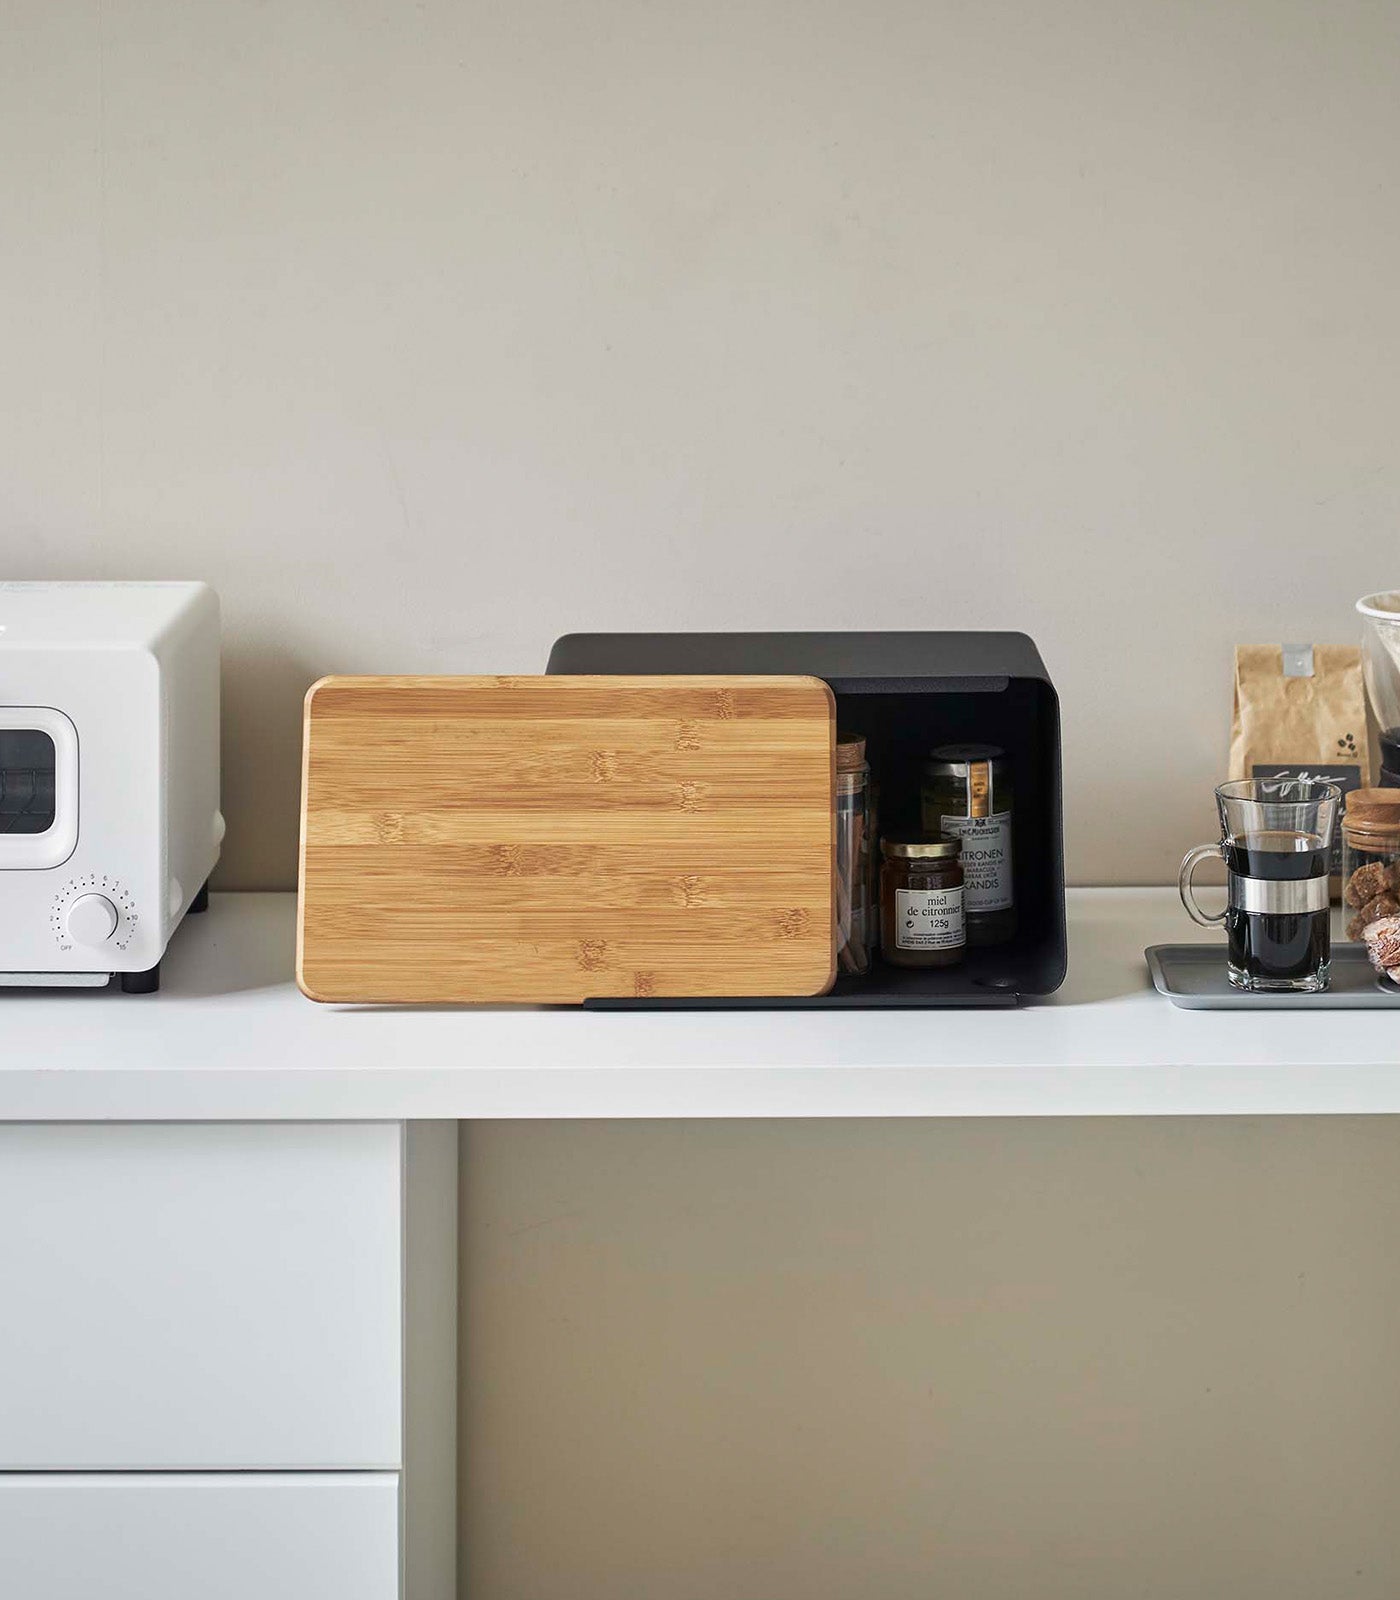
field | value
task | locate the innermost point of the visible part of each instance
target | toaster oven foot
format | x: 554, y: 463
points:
x: 200, y: 901
x: 141, y: 982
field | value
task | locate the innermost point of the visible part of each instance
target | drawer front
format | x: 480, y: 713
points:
x: 255, y: 1536
x: 200, y: 1296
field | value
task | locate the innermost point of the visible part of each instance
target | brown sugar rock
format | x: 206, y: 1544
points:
x: 1384, y: 905
x: 1367, y: 882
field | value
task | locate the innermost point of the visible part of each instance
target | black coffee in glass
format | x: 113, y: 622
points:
x: 1276, y: 945
x: 1275, y: 839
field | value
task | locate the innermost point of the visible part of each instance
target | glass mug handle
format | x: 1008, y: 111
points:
x: 1190, y: 862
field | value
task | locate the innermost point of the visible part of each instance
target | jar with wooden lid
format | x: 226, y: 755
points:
x: 853, y: 909
x: 1370, y: 858
x: 921, y: 902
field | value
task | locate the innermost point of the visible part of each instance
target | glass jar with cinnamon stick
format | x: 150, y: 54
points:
x: 853, y: 909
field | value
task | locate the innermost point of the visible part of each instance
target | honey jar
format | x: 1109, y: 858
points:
x: 921, y: 902
x: 967, y: 796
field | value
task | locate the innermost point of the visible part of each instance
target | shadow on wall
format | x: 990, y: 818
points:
x: 264, y: 684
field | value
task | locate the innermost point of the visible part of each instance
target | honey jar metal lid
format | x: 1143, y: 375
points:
x: 921, y: 849
x: 955, y: 758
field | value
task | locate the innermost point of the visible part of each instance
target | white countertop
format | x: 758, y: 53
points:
x: 229, y: 1036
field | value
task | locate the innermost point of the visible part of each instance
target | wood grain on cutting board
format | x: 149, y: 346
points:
x: 550, y: 839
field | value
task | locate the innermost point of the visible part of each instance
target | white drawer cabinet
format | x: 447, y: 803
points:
x: 228, y: 1361
x: 199, y: 1536
x: 211, y: 1296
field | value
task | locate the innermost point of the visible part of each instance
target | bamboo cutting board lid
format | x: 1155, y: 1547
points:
x: 561, y: 838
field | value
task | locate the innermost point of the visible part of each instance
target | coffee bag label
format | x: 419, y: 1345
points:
x: 929, y: 919
x: 986, y: 858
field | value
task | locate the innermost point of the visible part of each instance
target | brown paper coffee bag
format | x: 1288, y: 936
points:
x: 1300, y: 711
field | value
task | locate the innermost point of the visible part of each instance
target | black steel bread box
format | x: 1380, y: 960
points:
x: 906, y: 694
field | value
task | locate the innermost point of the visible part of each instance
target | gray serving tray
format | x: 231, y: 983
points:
x: 1193, y: 976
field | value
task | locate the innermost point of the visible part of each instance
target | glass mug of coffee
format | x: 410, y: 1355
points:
x: 1275, y: 841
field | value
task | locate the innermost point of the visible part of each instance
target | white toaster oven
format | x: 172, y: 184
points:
x: 109, y: 776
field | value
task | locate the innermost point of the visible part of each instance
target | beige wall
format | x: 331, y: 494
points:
x: 428, y: 332
x: 974, y: 1360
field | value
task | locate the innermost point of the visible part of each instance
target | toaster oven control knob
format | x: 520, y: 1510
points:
x: 91, y: 919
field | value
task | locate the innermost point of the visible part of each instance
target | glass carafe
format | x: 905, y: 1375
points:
x: 1380, y: 661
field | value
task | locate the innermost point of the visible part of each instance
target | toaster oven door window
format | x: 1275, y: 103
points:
x: 38, y: 787
x: 27, y: 761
